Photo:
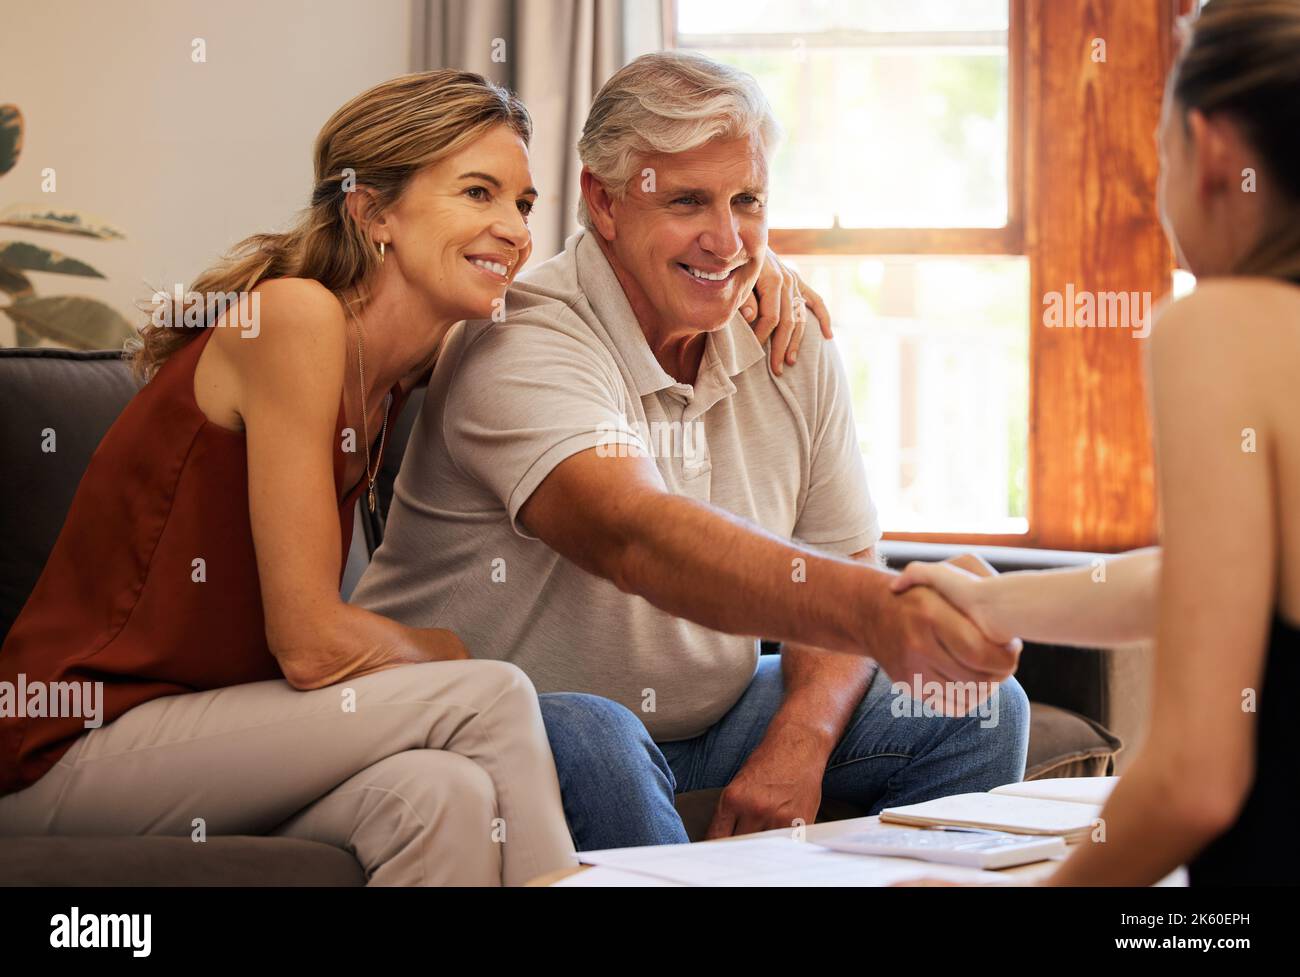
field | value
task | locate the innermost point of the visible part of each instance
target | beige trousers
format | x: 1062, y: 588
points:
x: 431, y: 774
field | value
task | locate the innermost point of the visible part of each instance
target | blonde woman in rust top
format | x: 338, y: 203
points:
x: 197, y: 574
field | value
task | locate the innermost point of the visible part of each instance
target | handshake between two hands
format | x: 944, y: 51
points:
x: 938, y: 627
x: 959, y: 583
x: 926, y: 634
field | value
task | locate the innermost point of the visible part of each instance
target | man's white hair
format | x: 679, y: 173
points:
x: 668, y: 102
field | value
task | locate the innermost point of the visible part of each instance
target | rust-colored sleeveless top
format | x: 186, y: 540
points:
x: 118, y: 601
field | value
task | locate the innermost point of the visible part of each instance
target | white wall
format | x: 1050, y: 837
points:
x: 185, y: 158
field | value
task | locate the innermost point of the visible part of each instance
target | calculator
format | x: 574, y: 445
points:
x: 976, y: 847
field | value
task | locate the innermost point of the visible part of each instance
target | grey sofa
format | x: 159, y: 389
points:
x: 1083, y: 700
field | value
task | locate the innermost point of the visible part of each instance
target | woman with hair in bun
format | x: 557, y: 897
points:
x: 1214, y: 784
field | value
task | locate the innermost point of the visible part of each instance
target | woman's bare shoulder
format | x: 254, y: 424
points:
x: 307, y: 293
x: 1238, y: 338
x: 1237, y: 302
x: 1230, y: 319
x: 290, y: 343
x: 297, y: 326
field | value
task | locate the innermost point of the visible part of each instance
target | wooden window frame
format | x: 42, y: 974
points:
x: 1081, y: 188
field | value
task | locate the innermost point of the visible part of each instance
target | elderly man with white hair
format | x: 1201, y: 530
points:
x: 614, y: 489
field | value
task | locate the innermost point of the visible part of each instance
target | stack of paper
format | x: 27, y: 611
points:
x: 758, y: 861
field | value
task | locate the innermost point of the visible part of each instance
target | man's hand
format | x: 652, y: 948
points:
x: 934, y: 642
x: 779, y: 783
x: 776, y: 310
x: 968, y: 654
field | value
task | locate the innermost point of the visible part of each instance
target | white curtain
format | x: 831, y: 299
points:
x: 555, y: 54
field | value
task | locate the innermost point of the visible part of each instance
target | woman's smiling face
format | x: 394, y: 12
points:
x: 459, y: 231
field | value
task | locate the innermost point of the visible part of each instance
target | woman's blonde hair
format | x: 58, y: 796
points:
x: 1242, y: 58
x: 379, y: 140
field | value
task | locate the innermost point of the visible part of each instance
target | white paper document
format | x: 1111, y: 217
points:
x: 597, y: 876
x: 771, y: 861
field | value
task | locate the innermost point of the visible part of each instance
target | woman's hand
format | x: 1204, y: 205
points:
x: 776, y: 310
x: 439, y: 644
x: 401, y: 646
x: 970, y: 593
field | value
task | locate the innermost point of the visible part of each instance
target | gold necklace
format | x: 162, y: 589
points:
x: 365, y: 432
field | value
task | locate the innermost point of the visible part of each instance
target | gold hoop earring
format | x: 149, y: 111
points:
x: 381, y: 252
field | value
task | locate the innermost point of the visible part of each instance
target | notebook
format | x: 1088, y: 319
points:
x: 1065, y: 808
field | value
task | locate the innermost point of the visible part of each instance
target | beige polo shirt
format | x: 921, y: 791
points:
x: 569, y: 370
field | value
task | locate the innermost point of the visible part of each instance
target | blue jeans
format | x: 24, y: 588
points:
x: 618, y: 784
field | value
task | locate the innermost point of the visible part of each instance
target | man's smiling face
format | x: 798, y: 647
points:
x: 687, y: 247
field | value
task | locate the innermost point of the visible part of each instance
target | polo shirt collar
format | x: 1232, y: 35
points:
x: 729, y: 350
x: 734, y: 347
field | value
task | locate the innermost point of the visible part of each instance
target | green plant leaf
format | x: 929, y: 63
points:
x: 30, y: 257
x: 14, y: 282
x: 62, y: 221
x: 75, y: 321
x: 11, y: 137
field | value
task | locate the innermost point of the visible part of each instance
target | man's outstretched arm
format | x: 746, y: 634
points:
x: 612, y: 515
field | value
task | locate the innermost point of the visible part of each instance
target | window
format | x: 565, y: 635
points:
x: 948, y: 166
x: 891, y: 194
x: 889, y: 122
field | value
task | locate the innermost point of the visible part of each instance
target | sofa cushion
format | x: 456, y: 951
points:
x: 73, y: 397
x: 1065, y: 744
x: 233, y: 860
